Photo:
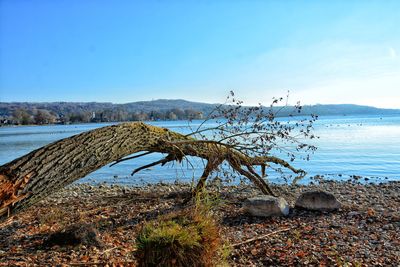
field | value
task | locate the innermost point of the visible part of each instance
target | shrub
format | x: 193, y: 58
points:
x: 187, y: 238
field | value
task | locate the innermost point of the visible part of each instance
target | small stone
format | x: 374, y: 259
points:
x: 266, y: 206
x: 353, y: 214
x: 317, y: 200
x: 387, y: 227
x: 335, y: 225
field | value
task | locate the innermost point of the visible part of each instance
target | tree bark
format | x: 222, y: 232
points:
x: 34, y: 176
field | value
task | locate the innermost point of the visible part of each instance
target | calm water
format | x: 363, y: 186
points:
x: 367, y: 146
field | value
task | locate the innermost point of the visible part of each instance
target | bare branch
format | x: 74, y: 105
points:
x: 132, y: 157
x: 264, y: 159
x: 161, y: 161
x: 212, y: 164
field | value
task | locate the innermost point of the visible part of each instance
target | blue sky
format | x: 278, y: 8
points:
x: 125, y: 51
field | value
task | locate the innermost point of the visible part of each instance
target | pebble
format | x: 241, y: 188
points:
x: 353, y: 213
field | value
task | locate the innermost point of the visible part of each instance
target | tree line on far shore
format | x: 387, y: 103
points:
x: 22, y: 116
x: 162, y: 109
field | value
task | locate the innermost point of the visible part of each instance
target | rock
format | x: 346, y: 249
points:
x: 80, y: 234
x: 317, y: 200
x: 353, y: 213
x: 266, y: 206
x: 387, y: 227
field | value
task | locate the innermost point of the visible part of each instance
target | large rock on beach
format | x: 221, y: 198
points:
x: 266, y: 206
x: 318, y: 201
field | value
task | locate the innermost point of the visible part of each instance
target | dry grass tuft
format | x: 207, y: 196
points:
x: 186, y: 238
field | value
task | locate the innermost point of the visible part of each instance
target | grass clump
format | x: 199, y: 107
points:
x: 187, y: 238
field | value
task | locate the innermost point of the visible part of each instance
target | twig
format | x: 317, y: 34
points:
x: 260, y: 237
x: 161, y: 161
x: 100, y: 263
x: 132, y: 157
x: 108, y: 250
x: 7, y: 221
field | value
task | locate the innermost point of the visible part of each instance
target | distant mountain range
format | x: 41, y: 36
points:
x: 162, y: 105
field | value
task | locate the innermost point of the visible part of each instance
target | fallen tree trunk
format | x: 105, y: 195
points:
x: 34, y: 176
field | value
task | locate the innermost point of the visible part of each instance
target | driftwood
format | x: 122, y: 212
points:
x: 34, y: 176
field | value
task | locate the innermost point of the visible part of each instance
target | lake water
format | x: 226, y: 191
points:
x: 367, y: 146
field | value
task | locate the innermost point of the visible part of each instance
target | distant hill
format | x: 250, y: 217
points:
x: 7, y: 108
x: 166, y: 104
x: 163, y: 105
x: 346, y: 109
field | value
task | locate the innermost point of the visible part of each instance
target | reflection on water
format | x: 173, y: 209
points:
x: 348, y: 145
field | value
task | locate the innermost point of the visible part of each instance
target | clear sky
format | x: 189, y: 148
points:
x: 124, y: 51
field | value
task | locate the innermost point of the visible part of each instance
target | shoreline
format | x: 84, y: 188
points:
x: 381, y: 116
x: 366, y: 230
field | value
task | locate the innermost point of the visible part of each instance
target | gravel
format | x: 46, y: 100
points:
x: 365, y: 231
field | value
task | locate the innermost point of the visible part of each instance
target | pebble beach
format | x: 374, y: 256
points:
x: 365, y: 231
